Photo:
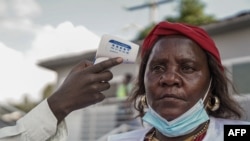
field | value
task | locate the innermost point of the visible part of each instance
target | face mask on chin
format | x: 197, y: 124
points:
x: 184, y: 124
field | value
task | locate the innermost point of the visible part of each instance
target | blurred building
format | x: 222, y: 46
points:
x: 232, y: 36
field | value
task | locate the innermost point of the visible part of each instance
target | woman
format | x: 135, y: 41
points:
x: 183, y: 86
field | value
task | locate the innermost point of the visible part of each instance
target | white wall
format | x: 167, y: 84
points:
x: 233, y: 44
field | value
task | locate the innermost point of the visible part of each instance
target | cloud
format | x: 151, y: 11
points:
x: 17, y: 26
x: 19, y: 8
x: 19, y: 77
x: 18, y: 14
x: 3, y: 8
x: 19, y: 73
x: 65, y: 39
x: 26, y: 8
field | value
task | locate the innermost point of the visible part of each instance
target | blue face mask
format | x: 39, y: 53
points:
x: 184, y: 124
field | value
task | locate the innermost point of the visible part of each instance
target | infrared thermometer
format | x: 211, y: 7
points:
x: 111, y: 46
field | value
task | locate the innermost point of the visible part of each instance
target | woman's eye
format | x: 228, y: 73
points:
x: 158, y: 68
x: 188, y: 69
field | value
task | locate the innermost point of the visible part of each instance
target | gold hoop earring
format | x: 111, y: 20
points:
x: 143, y: 101
x: 213, y: 103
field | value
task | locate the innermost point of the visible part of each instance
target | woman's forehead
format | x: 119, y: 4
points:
x: 177, y: 45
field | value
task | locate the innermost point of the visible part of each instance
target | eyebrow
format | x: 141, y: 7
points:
x: 161, y: 60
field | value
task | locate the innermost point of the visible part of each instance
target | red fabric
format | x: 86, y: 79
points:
x: 200, y: 138
x: 195, y: 33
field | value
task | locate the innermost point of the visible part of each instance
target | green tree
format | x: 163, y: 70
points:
x: 26, y: 105
x: 48, y: 90
x: 190, y: 12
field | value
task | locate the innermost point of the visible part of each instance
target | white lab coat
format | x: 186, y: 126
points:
x: 39, y: 124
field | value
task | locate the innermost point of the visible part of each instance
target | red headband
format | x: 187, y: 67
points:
x: 195, y: 33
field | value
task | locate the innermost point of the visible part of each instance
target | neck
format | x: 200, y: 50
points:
x: 196, y: 132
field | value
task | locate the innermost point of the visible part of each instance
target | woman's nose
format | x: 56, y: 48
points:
x: 170, y: 78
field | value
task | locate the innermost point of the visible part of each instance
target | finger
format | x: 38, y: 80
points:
x: 106, y: 75
x: 99, y: 87
x: 99, y: 97
x: 83, y: 64
x: 93, y: 99
x: 99, y: 67
x: 102, y: 76
x: 93, y: 78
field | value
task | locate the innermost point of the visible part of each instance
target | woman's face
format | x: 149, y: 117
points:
x: 176, y: 76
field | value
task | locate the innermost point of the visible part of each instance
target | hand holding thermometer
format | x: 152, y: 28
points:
x: 111, y: 46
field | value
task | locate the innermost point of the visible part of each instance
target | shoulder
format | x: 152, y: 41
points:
x: 215, y: 129
x: 135, y: 135
x: 218, y: 123
x: 223, y: 121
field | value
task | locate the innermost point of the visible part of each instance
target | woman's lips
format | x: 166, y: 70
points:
x: 169, y: 96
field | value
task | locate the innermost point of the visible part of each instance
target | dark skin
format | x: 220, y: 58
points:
x: 176, y: 77
x: 82, y: 87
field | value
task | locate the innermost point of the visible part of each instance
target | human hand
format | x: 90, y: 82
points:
x: 82, y: 87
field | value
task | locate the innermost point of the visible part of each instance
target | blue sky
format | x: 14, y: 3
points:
x: 39, y: 29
